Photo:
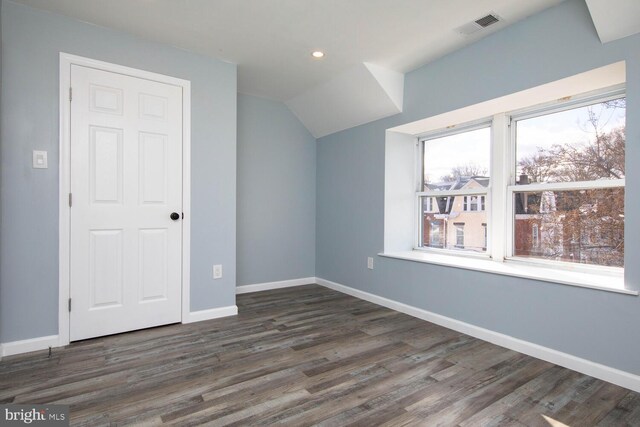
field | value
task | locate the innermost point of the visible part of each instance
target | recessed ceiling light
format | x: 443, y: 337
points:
x: 317, y: 54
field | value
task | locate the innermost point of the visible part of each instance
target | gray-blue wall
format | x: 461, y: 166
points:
x: 276, y: 193
x: 595, y: 325
x: 31, y: 42
x: 349, y: 168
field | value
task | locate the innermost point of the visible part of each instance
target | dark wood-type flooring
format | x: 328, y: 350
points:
x: 304, y: 356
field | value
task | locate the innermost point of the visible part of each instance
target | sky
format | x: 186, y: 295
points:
x: 443, y: 154
x: 570, y: 126
x: 473, y: 147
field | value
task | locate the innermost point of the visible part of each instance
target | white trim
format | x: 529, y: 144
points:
x: 450, y: 252
x: 186, y: 198
x: 608, y: 281
x: 418, y: 211
x: 258, y: 287
x: 66, y: 60
x: 592, y: 97
x: 597, y: 370
x: 566, y: 186
x: 510, y: 169
x: 601, y: 272
x: 463, y: 192
x: 212, y: 313
x: 455, y: 129
x: 64, y: 224
x: 25, y: 346
x: 500, y: 201
x: 500, y: 172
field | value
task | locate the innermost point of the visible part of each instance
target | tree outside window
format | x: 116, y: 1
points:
x: 584, y: 147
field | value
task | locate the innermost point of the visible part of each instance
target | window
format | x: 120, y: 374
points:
x: 484, y: 229
x: 569, y: 194
x: 454, y: 189
x: 563, y: 187
x: 459, y: 235
x: 435, y: 236
x: 430, y: 204
x: 580, y: 221
x: 474, y: 203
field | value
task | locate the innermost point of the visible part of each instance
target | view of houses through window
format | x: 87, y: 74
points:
x: 584, y: 149
x: 567, y: 191
x: 458, y: 162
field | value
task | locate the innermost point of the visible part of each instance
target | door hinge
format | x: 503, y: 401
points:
x: 70, y: 200
x: 70, y: 94
x: 182, y: 215
x: 69, y: 305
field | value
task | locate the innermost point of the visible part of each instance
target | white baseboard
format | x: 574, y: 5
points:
x: 42, y: 343
x: 25, y: 346
x: 597, y: 370
x: 213, y: 313
x: 258, y: 287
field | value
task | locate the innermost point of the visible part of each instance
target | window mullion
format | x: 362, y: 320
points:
x: 499, y: 205
x: 419, y: 185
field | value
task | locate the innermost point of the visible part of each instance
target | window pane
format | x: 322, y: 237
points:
x: 455, y: 162
x: 460, y: 236
x: 446, y: 224
x: 581, y: 144
x: 450, y: 161
x: 473, y: 203
x: 580, y: 226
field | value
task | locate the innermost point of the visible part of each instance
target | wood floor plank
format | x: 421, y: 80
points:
x: 309, y: 356
x: 521, y: 399
x: 626, y: 412
x: 462, y: 404
x: 600, y: 403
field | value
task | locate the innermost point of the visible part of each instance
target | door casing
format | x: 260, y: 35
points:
x: 66, y: 60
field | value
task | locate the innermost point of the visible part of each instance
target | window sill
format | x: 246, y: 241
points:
x: 609, y: 283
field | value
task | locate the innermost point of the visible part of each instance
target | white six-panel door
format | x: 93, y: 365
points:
x: 126, y: 181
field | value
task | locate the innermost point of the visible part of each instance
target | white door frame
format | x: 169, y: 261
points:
x: 66, y: 60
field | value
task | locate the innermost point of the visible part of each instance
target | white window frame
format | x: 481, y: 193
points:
x: 419, y: 182
x: 512, y: 188
x: 401, y: 214
x: 499, y: 194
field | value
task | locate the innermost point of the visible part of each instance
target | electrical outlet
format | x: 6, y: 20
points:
x: 217, y: 271
x: 370, y: 263
x: 40, y: 159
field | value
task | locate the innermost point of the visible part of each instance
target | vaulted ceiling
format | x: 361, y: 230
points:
x: 368, y: 44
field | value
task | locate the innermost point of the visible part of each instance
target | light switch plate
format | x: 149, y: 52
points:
x: 217, y: 271
x: 40, y: 159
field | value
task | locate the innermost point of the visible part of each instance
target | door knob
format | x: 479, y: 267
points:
x: 174, y: 216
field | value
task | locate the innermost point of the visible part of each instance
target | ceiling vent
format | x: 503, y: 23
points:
x: 479, y: 24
